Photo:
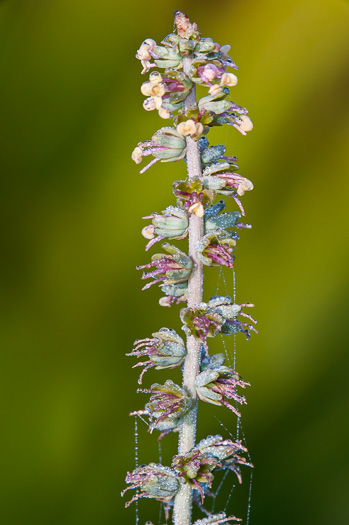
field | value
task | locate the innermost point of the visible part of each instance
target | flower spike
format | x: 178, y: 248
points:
x: 175, y: 66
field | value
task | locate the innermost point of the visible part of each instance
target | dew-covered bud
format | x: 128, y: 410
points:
x: 229, y: 311
x: 167, y: 404
x: 226, y: 452
x: 195, y: 468
x: 205, y: 45
x: 165, y: 349
x: 173, y: 223
x: 171, y: 268
x: 216, y: 249
x: 214, y: 219
x: 216, y: 384
x: 166, y: 145
x: 154, y: 480
x: 200, y: 323
x: 176, y: 293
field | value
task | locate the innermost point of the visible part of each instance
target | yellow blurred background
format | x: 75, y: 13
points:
x: 71, y: 306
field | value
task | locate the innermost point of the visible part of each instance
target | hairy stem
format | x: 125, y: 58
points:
x: 183, y: 500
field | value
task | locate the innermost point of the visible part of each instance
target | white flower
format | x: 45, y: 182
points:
x: 245, y: 123
x: 197, y: 209
x: 215, y: 89
x: 150, y: 89
x: 152, y: 103
x: 164, y: 113
x: 137, y: 155
x: 148, y: 231
x: 244, y: 185
x: 229, y: 79
x: 190, y: 127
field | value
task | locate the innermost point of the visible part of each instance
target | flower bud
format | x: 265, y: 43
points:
x: 165, y: 350
x: 154, y: 481
x: 167, y: 404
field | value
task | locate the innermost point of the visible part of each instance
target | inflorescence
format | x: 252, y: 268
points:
x: 167, y: 89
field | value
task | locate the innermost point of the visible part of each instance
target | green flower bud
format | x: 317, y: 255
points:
x: 165, y: 350
x: 167, y: 404
x: 216, y: 248
x: 173, y: 224
x: 205, y: 45
x: 154, y: 481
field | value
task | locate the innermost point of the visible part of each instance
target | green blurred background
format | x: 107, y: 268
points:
x: 71, y: 305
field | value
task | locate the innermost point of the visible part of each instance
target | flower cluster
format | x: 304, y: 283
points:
x: 165, y: 349
x: 166, y: 145
x: 172, y: 271
x: 166, y: 92
x: 219, y: 315
x: 226, y: 452
x: 173, y: 224
x: 217, y: 383
x: 192, y: 196
x: 167, y: 404
x: 154, y: 480
x: 196, y: 468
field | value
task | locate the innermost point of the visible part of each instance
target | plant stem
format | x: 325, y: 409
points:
x: 183, y: 500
